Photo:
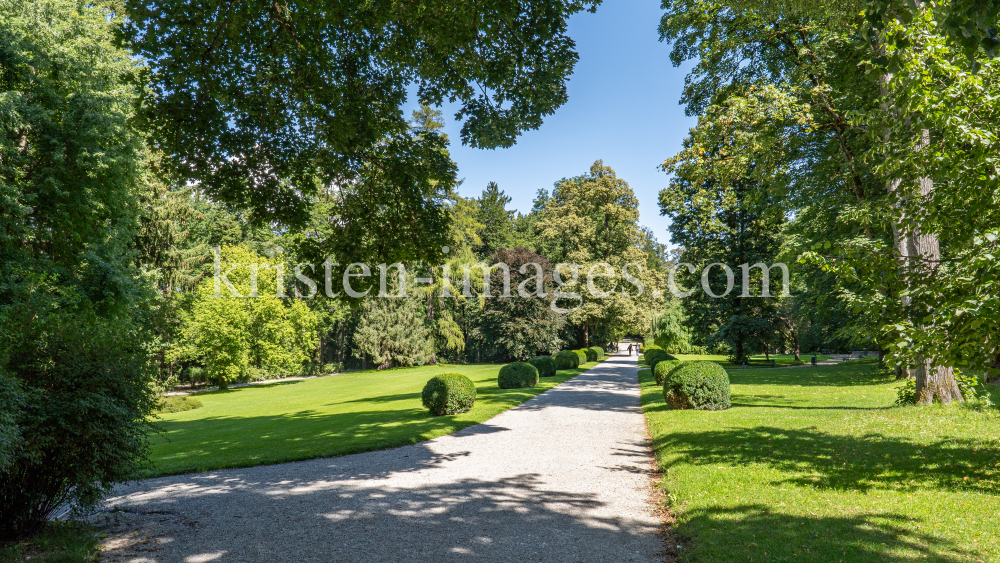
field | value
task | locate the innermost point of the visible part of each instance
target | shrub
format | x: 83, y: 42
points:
x: 654, y: 356
x: 178, y: 404
x: 582, y: 355
x: 598, y: 352
x: 590, y: 354
x: 545, y: 365
x: 567, y: 359
x: 449, y: 393
x: 516, y: 375
x: 662, y: 368
x: 81, y: 409
x: 697, y: 385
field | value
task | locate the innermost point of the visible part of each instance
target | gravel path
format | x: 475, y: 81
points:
x: 562, y: 477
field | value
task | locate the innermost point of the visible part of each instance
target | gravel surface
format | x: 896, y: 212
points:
x: 566, y: 476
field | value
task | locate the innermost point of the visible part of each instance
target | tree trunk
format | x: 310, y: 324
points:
x: 430, y: 316
x: 916, y: 249
x: 993, y: 375
x: 340, y: 343
x: 586, y: 335
x: 795, y: 347
x: 933, y: 382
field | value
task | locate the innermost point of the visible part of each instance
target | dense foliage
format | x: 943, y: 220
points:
x: 74, y: 372
x: 307, y: 98
x: 522, y: 324
x: 449, y: 393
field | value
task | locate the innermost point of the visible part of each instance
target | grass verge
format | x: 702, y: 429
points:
x: 59, y: 542
x: 817, y: 465
x: 328, y: 416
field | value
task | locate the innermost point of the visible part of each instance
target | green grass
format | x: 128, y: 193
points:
x: 780, y: 360
x: 328, y: 416
x: 817, y: 465
x: 59, y: 542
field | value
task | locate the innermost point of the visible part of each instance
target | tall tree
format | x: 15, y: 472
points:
x: 738, y: 225
x: 74, y: 379
x: 591, y: 221
x: 497, y: 222
x: 519, y: 327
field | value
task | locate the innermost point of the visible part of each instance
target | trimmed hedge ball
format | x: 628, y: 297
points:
x: 516, y: 375
x: 590, y: 354
x: 654, y: 356
x: 662, y: 368
x: 582, y: 355
x: 545, y: 365
x: 449, y: 393
x: 566, y: 359
x: 598, y: 351
x: 697, y: 385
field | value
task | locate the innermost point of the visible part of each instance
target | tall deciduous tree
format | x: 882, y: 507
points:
x: 75, y: 387
x: 517, y: 327
x: 727, y: 226
x: 263, y: 103
x: 255, y: 328
x: 591, y: 221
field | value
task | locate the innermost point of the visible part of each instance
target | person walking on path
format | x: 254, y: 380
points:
x: 629, y: 349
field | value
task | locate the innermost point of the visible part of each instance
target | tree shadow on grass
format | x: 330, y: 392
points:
x: 782, y: 402
x: 754, y: 532
x: 249, y: 388
x: 834, y: 461
x: 841, y: 375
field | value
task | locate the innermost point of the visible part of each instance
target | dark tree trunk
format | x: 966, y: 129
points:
x: 993, y: 375
x: 340, y: 343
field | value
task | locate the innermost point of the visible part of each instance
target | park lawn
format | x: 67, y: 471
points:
x: 780, y: 360
x: 327, y: 416
x: 817, y: 465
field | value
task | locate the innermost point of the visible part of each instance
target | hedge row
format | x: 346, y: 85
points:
x: 654, y: 355
x: 453, y: 393
x: 546, y: 365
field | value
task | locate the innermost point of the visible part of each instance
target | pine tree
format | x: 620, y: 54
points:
x: 498, y: 223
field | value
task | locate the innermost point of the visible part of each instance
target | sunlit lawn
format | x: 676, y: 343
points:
x: 780, y: 360
x: 817, y: 465
x: 327, y: 416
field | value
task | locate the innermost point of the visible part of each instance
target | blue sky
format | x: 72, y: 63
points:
x: 622, y: 108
